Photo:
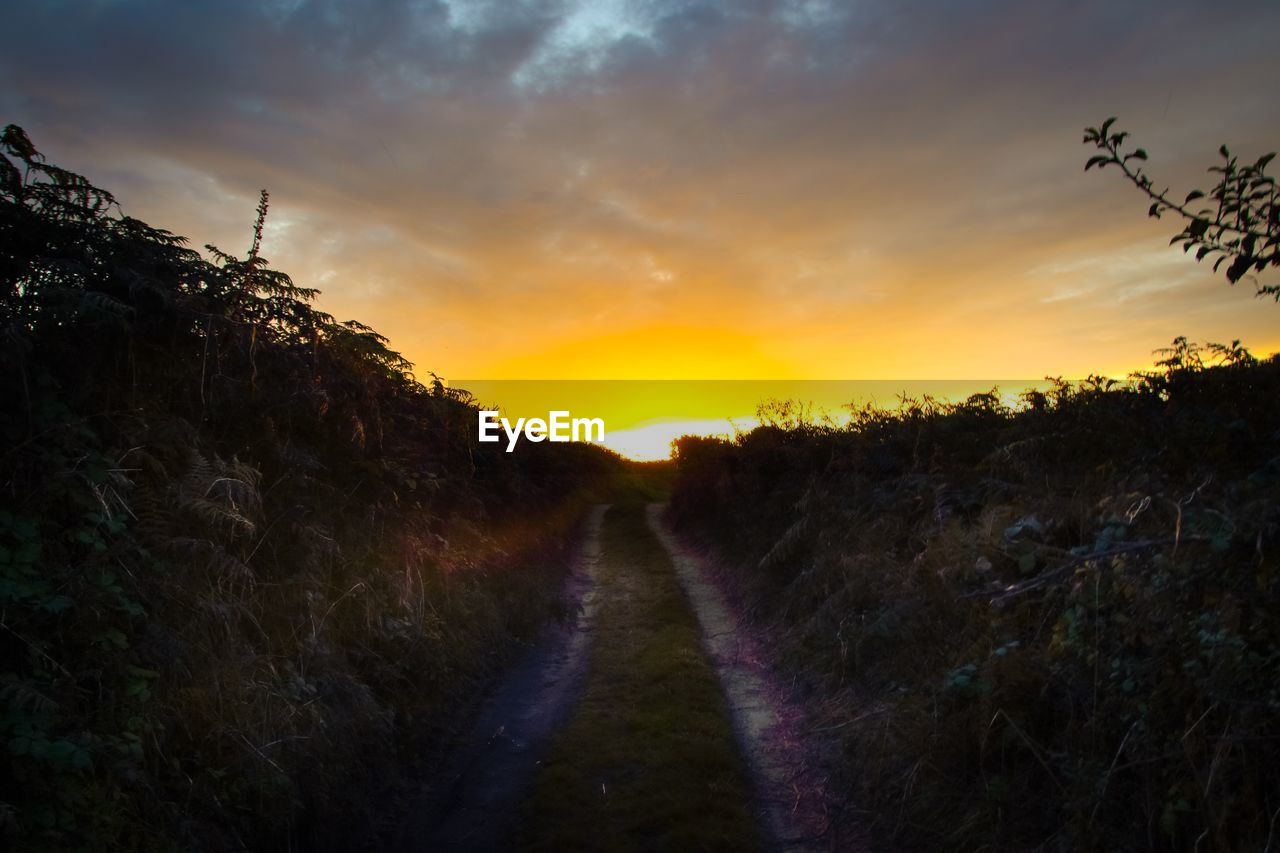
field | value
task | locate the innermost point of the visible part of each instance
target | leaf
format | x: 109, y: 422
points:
x: 111, y: 638
x: 15, y: 139
x: 1168, y: 821
x: 1238, y: 268
x: 1193, y: 195
x: 1097, y: 160
x: 56, y: 604
x: 10, y: 179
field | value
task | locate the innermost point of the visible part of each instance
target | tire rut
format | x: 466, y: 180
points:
x: 489, y: 773
x: 793, y: 804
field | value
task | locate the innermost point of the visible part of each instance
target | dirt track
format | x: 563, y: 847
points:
x: 480, y: 797
x: 787, y: 773
x: 475, y: 799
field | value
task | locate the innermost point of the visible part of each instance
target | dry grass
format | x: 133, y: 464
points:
x: 1049, y: 629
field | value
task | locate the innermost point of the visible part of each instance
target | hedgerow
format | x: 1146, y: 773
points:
x: 247, y: 561
x: 1051, y: 626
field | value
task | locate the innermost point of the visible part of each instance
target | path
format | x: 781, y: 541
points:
x: 787, y: 772
x: 477, y: 802
x: 652, y: 720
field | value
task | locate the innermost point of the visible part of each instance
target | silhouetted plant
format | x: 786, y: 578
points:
x: 244, y: 554
x: 1030, y: 628
x: 1243, y: 231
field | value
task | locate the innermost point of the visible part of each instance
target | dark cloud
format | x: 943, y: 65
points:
x: 867, y: 170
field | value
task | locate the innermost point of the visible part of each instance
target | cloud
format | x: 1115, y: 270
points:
x: 479, y: 177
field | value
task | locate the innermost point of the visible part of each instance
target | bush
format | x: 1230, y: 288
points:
x: 1049, y: 627
x: 247, y: 561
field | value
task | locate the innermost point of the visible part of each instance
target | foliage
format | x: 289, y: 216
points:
x: 247, y: 561
x: 1244, y: 229
x: 1052, y: 626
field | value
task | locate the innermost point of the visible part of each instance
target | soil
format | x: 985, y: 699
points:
x: 476, y: 800
x: 773, y: 729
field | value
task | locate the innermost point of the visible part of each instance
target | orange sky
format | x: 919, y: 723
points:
x: 680, y: 190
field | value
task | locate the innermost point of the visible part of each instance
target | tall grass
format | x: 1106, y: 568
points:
x: 249, y: 565
x: 1050, y: 627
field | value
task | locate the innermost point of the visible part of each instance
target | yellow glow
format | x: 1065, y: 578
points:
x: 652, y: 441
x: 748, y: 223
x: 657, y: 351
x: 642, y: 417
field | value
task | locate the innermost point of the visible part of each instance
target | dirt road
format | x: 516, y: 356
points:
x: 651, y: 720
x: 474, y: 801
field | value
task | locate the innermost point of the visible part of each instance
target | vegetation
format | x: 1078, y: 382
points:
x: 1244, y: 229
x: 1052, y: 626
x: 250, y: 566
x: 246, y: 559
x: 648, y: 761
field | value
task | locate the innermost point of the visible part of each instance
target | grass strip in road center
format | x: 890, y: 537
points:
x: 648, y: 762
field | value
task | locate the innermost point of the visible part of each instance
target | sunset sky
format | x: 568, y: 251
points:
x: 679, y: 189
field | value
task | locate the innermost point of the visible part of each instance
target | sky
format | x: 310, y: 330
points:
x: 756, y: 189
